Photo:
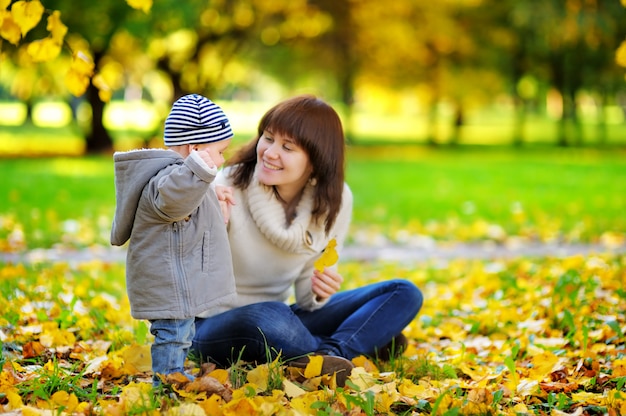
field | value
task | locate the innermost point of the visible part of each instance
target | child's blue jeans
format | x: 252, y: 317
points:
x: 172, y: 340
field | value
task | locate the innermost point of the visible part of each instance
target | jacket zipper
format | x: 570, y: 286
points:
x: 180, y: 270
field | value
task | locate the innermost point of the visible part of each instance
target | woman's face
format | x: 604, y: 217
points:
x: 283, y: 164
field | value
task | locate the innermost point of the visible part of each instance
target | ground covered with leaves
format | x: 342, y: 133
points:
x: 526, y: 336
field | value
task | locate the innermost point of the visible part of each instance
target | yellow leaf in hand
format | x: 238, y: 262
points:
x: 27, y: 14
x: 144, y: 5
x: 329, y: 256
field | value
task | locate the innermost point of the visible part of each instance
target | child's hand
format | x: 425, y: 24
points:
x: 226, y: 199
x: 206, y: 156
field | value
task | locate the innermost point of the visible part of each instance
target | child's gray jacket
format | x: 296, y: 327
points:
x: 178, y: 263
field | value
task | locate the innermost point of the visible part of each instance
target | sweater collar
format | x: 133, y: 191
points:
x: 302, y: 235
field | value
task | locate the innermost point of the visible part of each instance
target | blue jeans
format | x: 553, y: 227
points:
x: 352, y: 323
x: 172, y: 340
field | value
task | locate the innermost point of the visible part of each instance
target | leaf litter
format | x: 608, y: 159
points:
x: 494, y: 337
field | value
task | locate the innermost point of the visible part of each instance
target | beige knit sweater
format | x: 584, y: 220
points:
x: 273, y: 260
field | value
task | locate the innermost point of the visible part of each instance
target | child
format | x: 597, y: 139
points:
x: 178, y: 263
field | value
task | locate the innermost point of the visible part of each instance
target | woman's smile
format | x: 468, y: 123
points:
x: 270, y: 166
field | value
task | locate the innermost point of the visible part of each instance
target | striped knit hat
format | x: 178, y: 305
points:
x: 195, y: 119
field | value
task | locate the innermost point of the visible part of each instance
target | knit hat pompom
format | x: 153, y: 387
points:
x: 195, y: 119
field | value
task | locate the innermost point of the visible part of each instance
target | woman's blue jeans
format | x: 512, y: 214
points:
x: 352, y: 323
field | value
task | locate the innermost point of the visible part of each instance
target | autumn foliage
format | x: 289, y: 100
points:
x: 529, y: 336
x: 17, y: 19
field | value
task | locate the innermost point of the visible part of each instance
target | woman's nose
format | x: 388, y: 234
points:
x: 270, y: 152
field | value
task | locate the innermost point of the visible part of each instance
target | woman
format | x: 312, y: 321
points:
x: 288, y: 200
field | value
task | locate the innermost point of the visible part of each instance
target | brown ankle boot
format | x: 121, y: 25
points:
x: 332, y: 364
x: 394, y: 348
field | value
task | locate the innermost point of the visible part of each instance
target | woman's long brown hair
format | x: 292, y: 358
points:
x: 316, y: 127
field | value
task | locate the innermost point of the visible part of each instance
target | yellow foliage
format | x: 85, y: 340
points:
x: 137, y: 358
x: 240, y: 407
x: 213, y: 405
x: 56, y: 27
x: 187, y: 409
x: 259, y: 376
x: 144, y: 5
x: 9, y: 29
x: 303, y: 403
x: 104, y: 91
x: 314, y: 366
x: 44, y: 50
x: 292, y: 390
x: 134, y: 395
x: 78, y: 77
x: 64, y: 400
x: 220, y: 375
x: 27, y: 14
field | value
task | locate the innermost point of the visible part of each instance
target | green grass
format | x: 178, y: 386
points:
x: 579, y: 192
x: 467, y: 193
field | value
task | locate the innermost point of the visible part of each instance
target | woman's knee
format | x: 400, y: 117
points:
x: 410, y: 295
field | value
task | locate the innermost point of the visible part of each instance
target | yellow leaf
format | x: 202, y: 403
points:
x: 367, y: 364
x: 189, y: 409
x: 259, y: 376
x: 220, y: 374
x: 104, y: 91
x: 292, y: 390
x: 421, y: 391
x: 620, y: 55
x: 240, y: 407
x: 65, y: 400
x: 303, y: 404
x: 15, y: 400
x: 27, y: 14
x: 31, y: 411
x: 362, y: 378
x: 44, y: 50
x: 144, y: 5
x: 135, y: 394
x: 212, y: 405
x: 9, y: 30
x: 56, y: 27
x: 137, y: 359
x: 76, y: 82
x: 329, y: 256
x: 82, y: 64
x: 314, y: 367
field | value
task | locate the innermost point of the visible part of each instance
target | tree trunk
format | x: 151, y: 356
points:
x: 98, y: 139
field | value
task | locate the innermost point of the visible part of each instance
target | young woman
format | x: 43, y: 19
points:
x: 287, y: 200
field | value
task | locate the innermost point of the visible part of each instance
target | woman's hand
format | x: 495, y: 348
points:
x: 326, y: 283
x: 226, y: 199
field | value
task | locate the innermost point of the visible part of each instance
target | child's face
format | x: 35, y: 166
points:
x: 216, y: 150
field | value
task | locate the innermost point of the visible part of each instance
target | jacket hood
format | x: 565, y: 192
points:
x: 133, y: 170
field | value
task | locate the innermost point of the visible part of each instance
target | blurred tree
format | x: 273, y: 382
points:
x: 569, y: 45
x: 195, y: 43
